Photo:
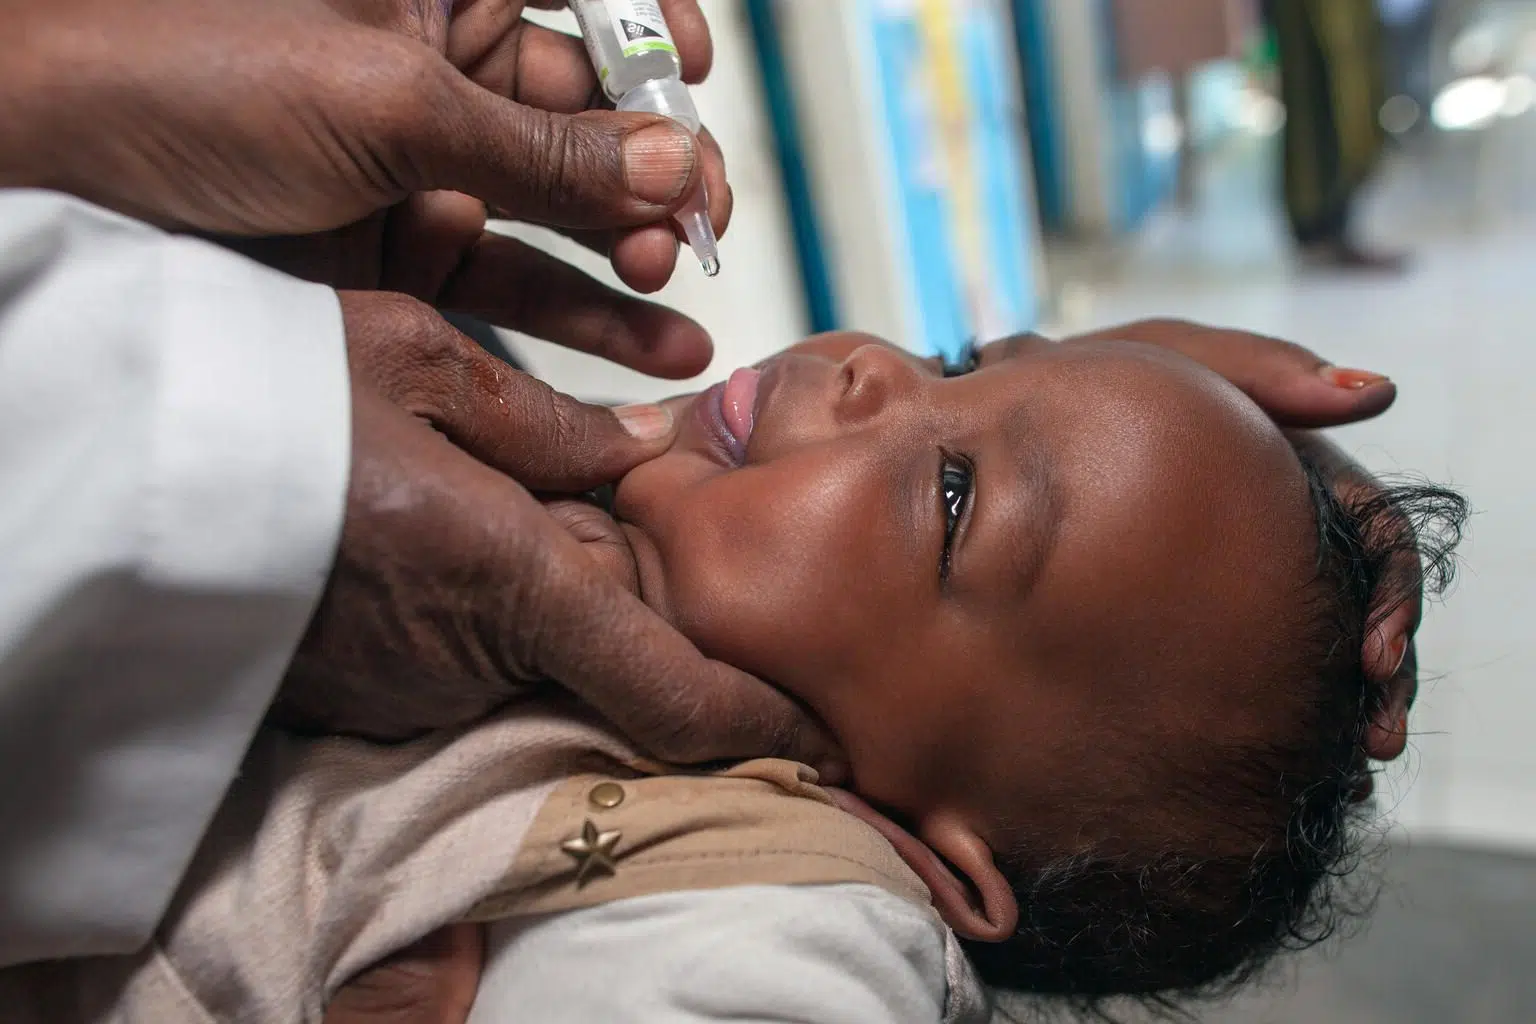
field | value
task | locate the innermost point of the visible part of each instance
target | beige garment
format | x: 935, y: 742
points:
x: 329, y: 855
x: 1177, y: 36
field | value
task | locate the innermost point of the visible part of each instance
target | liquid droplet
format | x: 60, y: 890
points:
x: 711, y: 266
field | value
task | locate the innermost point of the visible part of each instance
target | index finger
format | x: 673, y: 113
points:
x: 516, y: 286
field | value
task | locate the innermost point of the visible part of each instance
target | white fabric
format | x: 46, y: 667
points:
x: 833, y: 954
x: 174, y: 449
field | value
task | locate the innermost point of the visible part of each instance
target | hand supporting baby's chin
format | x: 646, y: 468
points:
x: 600, y: 537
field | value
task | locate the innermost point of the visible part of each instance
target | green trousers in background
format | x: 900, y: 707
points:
x: 1332, y: 84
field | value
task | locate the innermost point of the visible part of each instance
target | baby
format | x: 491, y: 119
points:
x: 1090, y: 630
x: 1087, y: 625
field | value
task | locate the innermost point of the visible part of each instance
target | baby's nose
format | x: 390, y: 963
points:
x: 875, y: 376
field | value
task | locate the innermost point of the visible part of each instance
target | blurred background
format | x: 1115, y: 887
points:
x: 1355, y: 175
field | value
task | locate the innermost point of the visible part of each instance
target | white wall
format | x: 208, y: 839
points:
x: 755, y: 307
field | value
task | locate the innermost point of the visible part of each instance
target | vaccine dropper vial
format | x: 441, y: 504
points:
x: 636, y: 60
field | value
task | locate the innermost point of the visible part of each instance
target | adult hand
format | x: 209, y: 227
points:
x: 601, y: 537
x: 453, y: 586
x: 1296, y: 386
x: 258, y: 119
x: 433, y: 982
x: 434, y: 247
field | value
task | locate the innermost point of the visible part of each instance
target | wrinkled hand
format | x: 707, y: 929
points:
x: 435, y: 247
x: 229, y: 117
x: 453, y: 586
x: 602, y: 539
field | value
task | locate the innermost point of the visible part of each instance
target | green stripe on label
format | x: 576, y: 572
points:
x: 649, y: 46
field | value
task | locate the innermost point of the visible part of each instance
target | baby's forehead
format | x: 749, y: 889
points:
x: 1185, y: 526
x: 1142, y: 379
x: 1132, y: 423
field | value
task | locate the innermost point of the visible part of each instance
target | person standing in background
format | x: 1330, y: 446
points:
x: 1331, y: 81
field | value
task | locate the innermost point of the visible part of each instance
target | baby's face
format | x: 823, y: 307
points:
x: 974, y: 581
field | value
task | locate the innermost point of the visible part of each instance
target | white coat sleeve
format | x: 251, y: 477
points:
x: 174, y: 449
x: 832, y: 954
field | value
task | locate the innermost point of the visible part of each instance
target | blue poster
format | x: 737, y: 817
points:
x: 950, y: 107
x: 997, y: 114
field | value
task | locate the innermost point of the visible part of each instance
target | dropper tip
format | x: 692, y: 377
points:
x: 711, y: 265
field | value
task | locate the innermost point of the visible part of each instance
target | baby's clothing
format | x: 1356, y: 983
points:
x: 828, y: 954
x: 329, y: 855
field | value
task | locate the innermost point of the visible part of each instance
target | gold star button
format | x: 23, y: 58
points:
x: 592, y: 851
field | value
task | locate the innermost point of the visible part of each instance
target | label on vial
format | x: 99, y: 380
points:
x: 640, y: 27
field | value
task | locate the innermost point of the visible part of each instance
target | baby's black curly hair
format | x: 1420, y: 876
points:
x: 1187, y: 915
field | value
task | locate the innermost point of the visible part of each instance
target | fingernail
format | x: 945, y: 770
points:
x: 658, y: 162
x: 645, y: 422
x: 1351, y: 380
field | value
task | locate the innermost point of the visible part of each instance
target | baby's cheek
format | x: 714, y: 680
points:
x: 785, y: 569
x: 757, y: 599
x: 737, y: 591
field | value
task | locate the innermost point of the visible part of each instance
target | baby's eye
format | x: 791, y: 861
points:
x: 956, y: 480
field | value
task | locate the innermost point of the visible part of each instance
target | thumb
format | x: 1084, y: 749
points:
x: 548, y: 441
x: 593, y: 170
x: 512, y: 422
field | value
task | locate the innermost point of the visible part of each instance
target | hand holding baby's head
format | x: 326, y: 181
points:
x: 1096, y: 640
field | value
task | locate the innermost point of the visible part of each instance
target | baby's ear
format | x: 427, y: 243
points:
x: 980, y: 906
